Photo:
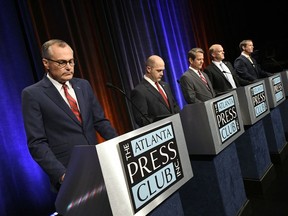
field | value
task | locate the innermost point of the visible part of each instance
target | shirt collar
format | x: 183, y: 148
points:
x: 191, y: 68
x: 247, y: 56
x: 57, y: 84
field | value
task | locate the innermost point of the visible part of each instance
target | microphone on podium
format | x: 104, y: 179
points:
x: 110, y: 85
x: 277, y: 63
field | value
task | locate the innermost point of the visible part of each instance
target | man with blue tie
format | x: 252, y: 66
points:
x: 60, y: 112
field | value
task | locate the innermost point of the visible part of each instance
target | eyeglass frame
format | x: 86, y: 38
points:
x: 63, y: 63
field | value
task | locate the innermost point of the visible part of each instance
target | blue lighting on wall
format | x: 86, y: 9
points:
x: 21, y: 178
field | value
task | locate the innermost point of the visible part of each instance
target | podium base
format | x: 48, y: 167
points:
x: 259, y: 186
x: 253, y: 152
x: 246, y: 209
x: 283, y: 109
x: 278, y: 158
x: 170, y: 207
x: 274, y: 131
x: 218, y: 182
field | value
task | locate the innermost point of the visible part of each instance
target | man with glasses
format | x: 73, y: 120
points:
x: 60, y: 112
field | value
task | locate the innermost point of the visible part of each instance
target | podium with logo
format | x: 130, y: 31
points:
x: 137, y: 173
x: 210, y: 130
x: 273, y: 123
x: 252, y: 147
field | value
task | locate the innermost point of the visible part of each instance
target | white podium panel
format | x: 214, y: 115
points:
x: 253, y: 102
x: 211, y: 126
x: 284, y: 76
x: 275, y: 90
x: 145, y: 166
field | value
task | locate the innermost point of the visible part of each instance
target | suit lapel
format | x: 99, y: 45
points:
x: 53, y: 94
x: 154, y: 92
x: 199, y: 80
x: 168, y: 96
x: 195, y: 76
x: 80, y: 98
x: 217, y: 70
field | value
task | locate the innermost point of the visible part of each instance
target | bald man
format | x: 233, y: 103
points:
x: 221, y: 73
x: 152, y: 97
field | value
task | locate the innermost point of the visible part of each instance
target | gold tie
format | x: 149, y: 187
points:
x: 251, y: 61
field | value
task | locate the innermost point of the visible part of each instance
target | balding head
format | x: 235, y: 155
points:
x: 215, y: 47
x: 216, y: 51
x: 153, y: 60
x: 155, y: 67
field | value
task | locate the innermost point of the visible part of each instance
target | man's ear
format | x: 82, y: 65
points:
x: 148, y: 69
x: 45, y: 63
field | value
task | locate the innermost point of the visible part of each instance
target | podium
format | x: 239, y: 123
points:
x: 284, y: 77
x: 253, y: 101
x: 252, y: 147
x: 210, y: 130
x: 284, y: 106
x: 273, y: 123
x: 212, y: 125
x: 137, y: 173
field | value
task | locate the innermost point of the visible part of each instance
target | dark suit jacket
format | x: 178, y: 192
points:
x: 219, y: 82
x: 193, y: 88
x: 245, y: 69
x: 53, y: 130
x: 150, y: 102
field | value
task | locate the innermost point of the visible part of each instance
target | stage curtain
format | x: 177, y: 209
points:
x: 111, y: 41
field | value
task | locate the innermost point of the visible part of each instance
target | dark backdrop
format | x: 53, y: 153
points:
x: 111, y: 40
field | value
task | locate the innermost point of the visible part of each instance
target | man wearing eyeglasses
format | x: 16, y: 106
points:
x: 60, y: 112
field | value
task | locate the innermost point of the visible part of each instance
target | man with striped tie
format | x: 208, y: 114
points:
x: 195, y: 85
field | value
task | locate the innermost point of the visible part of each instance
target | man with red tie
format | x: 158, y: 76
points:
x: 152, y: 98
x: 60, y: 112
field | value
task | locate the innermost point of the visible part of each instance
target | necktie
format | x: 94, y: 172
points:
x: 228, y: 75
x: 249, y: 58
x: 203, y: 78
x: 73, y: 104
x: 162, y: 94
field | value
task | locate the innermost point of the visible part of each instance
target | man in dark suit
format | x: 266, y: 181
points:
x: 152, y: 97
x: 195, y: 85
x: 52, y: 127
x: 221, y: 73
x: 246, y: 66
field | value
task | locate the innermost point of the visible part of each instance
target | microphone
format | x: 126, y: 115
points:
x: 209, y: 97
x: 110, y: 85
x: 277, y: 63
